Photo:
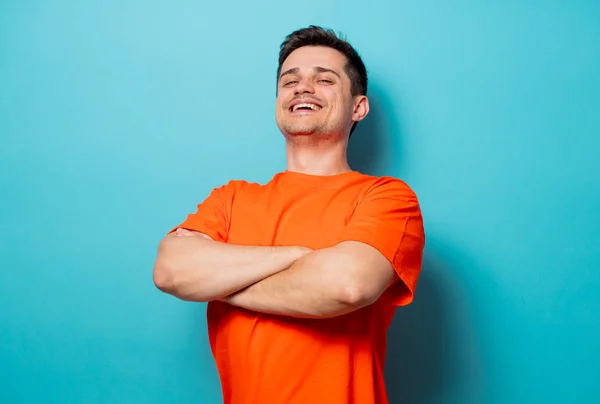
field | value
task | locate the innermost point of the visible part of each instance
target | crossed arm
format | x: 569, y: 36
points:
x: 292, y: 281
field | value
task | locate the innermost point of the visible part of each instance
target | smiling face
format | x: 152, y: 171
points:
x: 314, y: 96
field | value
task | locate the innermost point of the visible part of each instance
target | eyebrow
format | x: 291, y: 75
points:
x: 319, y: 69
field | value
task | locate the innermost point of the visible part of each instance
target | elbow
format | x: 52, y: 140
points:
x: 163, y: 274
x: 179, y: 282
x: 164, y: 277
x: 169, y: 276
x: 355, y: 296
x: 175, y: 282
x: 168, y: 273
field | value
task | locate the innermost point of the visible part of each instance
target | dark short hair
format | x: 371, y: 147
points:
x: 318, y: 36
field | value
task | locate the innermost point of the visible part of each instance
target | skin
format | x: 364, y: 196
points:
x: 316, y: 141
x: 291, y: 281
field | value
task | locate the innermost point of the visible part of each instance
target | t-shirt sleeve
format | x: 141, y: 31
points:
x: 212, y: 215
x: 389, y: 219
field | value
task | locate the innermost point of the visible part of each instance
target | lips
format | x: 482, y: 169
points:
x: 304, y: 104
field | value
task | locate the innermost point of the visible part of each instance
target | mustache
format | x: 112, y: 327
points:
x: 306, y: 97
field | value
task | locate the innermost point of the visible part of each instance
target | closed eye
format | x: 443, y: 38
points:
x: 326, y: 81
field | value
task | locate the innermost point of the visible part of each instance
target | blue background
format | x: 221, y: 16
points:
x: 118, y: 117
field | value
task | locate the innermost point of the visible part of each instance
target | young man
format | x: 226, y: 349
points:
x: 302, y: 275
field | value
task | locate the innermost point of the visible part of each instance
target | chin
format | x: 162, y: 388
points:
x: 306, y: 129
x: 299, y: 130
x: 297, y: 133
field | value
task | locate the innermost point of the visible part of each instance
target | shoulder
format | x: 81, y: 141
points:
x: 388, y: 188
x: 235, y: 187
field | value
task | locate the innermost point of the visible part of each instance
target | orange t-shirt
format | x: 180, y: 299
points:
x: 271, y: 359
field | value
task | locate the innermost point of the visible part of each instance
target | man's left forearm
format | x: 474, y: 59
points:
x: 304, y: 290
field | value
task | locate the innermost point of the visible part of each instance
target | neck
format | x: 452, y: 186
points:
x: 316, y: 158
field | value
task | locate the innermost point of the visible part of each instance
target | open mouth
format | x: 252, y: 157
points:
x: 305, y: 106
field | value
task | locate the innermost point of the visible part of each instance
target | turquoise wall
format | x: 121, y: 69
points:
x: 118, y: 117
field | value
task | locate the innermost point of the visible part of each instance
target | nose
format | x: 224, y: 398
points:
x: 304, y: 86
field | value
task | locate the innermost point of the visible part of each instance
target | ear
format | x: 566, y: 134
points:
x: 361, y: 108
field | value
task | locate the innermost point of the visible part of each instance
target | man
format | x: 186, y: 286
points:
x: 302, y: 274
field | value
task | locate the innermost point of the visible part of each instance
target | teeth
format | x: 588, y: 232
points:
x: 311, y: 106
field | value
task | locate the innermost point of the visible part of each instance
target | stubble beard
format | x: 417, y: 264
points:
x: 310, y: 135
x: 303, y: 129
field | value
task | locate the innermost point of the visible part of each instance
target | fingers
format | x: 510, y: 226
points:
x: 183, y: 232
x: 187, y: 233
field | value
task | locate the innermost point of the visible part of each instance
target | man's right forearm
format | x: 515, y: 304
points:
x: 194, y: 268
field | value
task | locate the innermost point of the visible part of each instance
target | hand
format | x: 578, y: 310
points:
x: 187, y: 233
x: 183, y: 232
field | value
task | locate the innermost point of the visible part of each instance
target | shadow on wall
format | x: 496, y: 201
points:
x: 432, y: 354
x: 375, y: 146
x: 415, y: 363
